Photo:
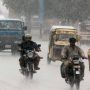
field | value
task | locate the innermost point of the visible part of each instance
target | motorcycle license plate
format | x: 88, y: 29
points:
x: 77, y: 72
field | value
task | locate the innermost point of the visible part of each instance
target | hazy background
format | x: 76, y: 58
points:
x: 40, y: 15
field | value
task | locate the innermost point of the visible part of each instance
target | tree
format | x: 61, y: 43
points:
x: 69, y: 9
x: 25, y: 7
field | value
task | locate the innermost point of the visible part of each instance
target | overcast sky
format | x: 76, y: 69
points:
x: 3, y: 10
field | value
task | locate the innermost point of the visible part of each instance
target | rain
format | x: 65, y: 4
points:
x: 36, y: 17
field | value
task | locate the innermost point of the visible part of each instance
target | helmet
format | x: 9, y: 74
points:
x: 72, y: 40
x: 28, y: 37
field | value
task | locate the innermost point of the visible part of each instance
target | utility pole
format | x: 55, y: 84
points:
x: 41, y: 15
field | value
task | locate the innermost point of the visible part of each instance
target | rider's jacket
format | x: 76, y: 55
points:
x: 68, y: 52
x: 29, y: 45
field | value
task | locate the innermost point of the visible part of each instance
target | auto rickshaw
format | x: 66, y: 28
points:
x: 89, y: 58
x: 59, y: 36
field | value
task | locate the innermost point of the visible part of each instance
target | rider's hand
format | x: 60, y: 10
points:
x: 38, y: 49
x: 84, y: 58
x: 63, y: 57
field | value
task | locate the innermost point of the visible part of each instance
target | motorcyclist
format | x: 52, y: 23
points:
x: 28, y: 44
x: 67, y: 52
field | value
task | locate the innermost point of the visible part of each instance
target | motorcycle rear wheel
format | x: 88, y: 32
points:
x: 72, y: 84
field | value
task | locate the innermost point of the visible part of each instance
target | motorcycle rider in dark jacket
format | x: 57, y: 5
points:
x: 28, y: 44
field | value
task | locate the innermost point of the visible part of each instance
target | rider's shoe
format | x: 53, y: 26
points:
x: 34, y: 71
x: 81, y: 78
x: 23, y: 68
x: 37, y: 68
x: 41, y: 57
x: 66, y: 80
x: 21, y: 71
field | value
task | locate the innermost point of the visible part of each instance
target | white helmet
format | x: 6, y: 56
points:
x: 28, y: 37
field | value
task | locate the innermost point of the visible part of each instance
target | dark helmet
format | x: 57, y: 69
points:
x: 72, y: 40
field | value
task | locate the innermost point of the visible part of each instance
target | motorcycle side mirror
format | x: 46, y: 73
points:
x: 25, y: 28
x: 39, y: 45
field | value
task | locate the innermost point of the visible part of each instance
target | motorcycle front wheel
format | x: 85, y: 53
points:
x: 71, y: 82
x: 31, y: 69
x: 78, y: 82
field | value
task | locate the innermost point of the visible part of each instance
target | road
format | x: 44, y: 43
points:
x: 47, y: 78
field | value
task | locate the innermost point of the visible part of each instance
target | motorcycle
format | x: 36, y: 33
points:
x: 73, y: 72
x: 29, y: 57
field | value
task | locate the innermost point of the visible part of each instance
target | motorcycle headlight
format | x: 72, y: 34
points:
x: 30, y: 54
